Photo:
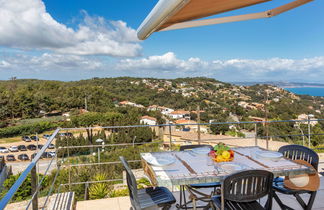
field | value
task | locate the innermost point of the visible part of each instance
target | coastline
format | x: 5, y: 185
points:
x: 301, y: 86
x: 311, y: 91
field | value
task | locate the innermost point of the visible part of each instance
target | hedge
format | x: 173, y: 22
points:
x: 26, y: 129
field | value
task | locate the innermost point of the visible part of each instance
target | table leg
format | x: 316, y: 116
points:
x: 183, y: 200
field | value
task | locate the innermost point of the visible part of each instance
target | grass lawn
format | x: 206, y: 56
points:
x: 319, y: 148
x: 10, y: 140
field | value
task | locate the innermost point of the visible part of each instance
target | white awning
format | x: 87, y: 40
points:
x: 178, y: 14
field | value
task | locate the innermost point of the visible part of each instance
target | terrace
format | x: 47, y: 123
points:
x: 88, y: 168
x: 76, y: 164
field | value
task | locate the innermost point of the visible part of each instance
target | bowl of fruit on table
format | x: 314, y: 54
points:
x: 221, y: 153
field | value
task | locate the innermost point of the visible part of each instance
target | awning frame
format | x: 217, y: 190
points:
x: 258, y: 15
x: 145, y: 31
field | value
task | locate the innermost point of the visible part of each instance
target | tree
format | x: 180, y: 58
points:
x: 317, y: 139
x: 219, y: 128
x: 91, y: 119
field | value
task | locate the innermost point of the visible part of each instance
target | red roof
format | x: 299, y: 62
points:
x: 149, y: 118
x: 124, y: 102
x: 180, y: 112
x: 184, y: 121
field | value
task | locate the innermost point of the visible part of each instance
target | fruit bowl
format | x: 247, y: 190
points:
x: 221, y: 153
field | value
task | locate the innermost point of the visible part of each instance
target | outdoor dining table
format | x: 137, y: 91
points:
x: 190, y: 168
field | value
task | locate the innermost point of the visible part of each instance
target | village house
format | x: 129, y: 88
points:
x: 178, y: 114
x: 305, y: 118
x: 152, y: 108
x: 148, y: 120
x: 258, y: 119
x: 162, y: 109
x: 187, y: 94
x: 161, y: 90
x: 243, y: 104
x: 188, y: 138
x: 66, y: 116
x: 258, y: 105
x: 128, y: 103
x: 196, y: 112
x: 193, y: 127
x: 276, y: 99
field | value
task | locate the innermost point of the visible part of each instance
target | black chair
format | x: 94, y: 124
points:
x: 193, y: 189
x: 296, y: 152
x: 241, y: 191
x: 152, y: 197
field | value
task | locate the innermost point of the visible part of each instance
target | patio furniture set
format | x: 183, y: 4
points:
x: 238, y: 184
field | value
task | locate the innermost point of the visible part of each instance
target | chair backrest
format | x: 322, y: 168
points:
x: 247, y: 185
x: 298, y: 152
x: 187, y: 147
x: 131, y: 184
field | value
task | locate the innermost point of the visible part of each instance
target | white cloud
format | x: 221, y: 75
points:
x: 229, y: 70
x: 26, y: 24
x: 168, y: 65
x: 50, y: 62
x: 272, y: 64
x: 166, y: 62
x: 4, y: 64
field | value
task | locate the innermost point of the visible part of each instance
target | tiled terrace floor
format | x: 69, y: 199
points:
x: 123, y: 203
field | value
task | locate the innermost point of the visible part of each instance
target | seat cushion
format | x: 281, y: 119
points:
x: 155, y: 196
x: 278, y: 179
x: 206, y: 185
x: 253, y: 205
x: 280, y: 187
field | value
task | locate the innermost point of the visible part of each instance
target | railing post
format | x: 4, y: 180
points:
x: 198, y: 122
x: 69, y: 161
x: 86, y: 191
x: 267, y: 134
x: 134, y: 141
x: 170, y: 137
x: 34, y: 187
x: 309, y: 131
x: 256, y: 134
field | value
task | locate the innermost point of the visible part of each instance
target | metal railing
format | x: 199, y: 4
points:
x: 167, y: 131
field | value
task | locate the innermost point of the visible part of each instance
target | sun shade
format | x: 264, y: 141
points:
x: 177, y: 14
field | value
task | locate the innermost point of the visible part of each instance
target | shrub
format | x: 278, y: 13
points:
x: 25, y: 190
x: 99, y: 190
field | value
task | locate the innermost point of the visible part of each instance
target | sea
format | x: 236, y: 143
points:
x: 312, y: 91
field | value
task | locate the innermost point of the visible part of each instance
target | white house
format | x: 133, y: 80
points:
x: 152, y: 108
x: 128, y: 103
x: 162, y: 109
x: 66, y: 114
x: 165, y: 110
x: 305, y: 117
x: 148, y: 120
x: 178, y: 114
x: 242, y: 104
x: 276, y: 99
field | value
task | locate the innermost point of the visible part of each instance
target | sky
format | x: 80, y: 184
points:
x: 82, y: 39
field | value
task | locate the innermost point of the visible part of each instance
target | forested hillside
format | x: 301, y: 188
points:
x: 29, y: 98
x: 221, y: 102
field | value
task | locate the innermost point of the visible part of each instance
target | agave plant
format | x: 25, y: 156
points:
x: 101, y: 189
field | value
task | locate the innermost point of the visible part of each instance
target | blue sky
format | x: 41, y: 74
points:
x: 80, y: 39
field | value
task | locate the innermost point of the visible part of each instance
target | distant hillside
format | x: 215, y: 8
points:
x: 29, y: 98
x: 133, y: 98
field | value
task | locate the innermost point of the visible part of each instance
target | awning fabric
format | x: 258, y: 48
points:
x: 176, y: 14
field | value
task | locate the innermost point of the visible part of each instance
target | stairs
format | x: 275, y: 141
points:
x: 62, y: 201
